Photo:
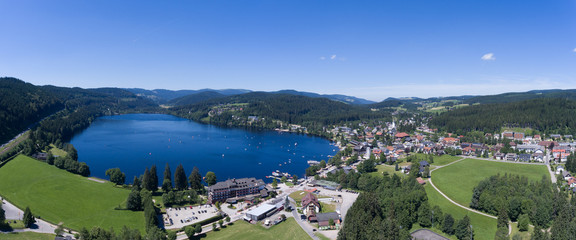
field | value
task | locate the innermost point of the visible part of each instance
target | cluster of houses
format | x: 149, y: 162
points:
x: 522, y: 148
x: 570, y: 180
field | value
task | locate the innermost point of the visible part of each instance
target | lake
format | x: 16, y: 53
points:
x: 133, y: 142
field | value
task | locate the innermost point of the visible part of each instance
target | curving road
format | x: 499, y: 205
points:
x: 460, y: 205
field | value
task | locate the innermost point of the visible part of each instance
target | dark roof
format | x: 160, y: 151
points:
x: 424, y: 163
x: 524, y: 157
x: 327, y: 216
x: 237, y: 183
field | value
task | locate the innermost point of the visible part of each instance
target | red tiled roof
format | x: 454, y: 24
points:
x: 420, y: 180
x: 402, y: 135
x: 310, y: 199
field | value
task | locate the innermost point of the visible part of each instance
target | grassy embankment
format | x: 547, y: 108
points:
x: 27, y: 236
x: 59, y: 196
x: 458, y: 180
x: 241, y: 230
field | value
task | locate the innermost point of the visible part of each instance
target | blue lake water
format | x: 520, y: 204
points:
x: 135, y: 141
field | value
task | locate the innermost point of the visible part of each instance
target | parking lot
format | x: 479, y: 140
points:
x: 178, y: 217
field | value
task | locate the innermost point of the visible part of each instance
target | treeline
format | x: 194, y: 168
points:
x: 546, y: 115
x: 23, y: 104
x: 522, y: 96
x: 313, y: 113
x: 517, y: 196
x: 390, y: 210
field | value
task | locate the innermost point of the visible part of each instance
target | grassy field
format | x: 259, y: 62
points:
x: 484, y: 227
x: 390, y: 169
x: 57, y: 151
x: 458, y: 180
x: 524, y: 235
x: 327, y: 207
x: 59, y: 196
x: 27, y: 236
x: 444, y: 159
x: 243, y: 230
x: 298, y: 195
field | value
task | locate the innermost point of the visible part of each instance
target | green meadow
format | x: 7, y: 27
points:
x: 241, y: 230
x: 62, y: 197
x: 458, y: 180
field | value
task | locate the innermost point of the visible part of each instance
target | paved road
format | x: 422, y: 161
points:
x: 305, y: 226
x: 13, y: 213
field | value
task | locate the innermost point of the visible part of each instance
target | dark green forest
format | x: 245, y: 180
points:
x: 548, y: 115
x: 23, y: 104
x: 522, y: 96
x: 517, y: 196
x: 313, y: 113
x: 195, y: 98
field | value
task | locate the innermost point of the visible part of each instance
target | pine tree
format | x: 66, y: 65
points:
x: 463, y: 230
x: 448, y: 224
x: 167, y: 172
x: 153, y: 179
x: 180, y: 178
x: 136, y: 184
x: 146, y: 180
x: 424, y: 215
x: 28, y: 218
x: 195, y: 179
x: 2, y: 214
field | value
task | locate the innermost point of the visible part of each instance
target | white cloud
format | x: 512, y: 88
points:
x: 488, y: 57
x: 333, y: 57
x: 574, y: 50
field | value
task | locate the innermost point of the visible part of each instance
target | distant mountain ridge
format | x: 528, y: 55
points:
x: 164, y: 96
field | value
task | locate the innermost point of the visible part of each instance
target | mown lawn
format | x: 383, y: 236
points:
x: 484, y: 227
x: 59, y: 196
x: 286, y: 230
x: 390, y: 169
x: 27, y: 236
x: 444, y: 159
x: 458, y: 180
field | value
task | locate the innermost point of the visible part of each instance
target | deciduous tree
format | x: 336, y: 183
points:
x: 210, y: 178
x: 116, y: 176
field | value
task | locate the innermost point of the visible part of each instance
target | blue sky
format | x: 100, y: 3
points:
x: 369, y: 49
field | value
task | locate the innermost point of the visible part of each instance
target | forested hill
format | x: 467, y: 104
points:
x: 23, y: 104
x: 288, y: 108
x: 195, y: 98
x: 549, y: 115
x: 522, y: 96
x: 335, y: 97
